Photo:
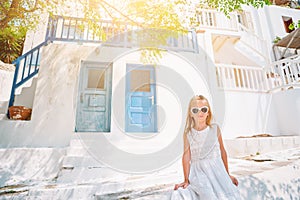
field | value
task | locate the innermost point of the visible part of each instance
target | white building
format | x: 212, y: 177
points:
x: 104, y: 90
x: 101, y: 107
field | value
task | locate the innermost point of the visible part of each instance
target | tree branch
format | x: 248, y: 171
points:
x: 10, y: 14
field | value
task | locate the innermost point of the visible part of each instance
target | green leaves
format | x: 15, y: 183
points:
x: 173, y: 16
x: 227, y: 6
x: 11, y: 42
x: 294, y: 25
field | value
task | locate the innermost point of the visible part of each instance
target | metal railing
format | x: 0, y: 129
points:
x: 120, y: 34
x: 27, y: 66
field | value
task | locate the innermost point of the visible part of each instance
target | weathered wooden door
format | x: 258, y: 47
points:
x: 94, y: 98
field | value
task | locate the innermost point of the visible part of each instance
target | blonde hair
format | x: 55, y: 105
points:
x: 189, y: 120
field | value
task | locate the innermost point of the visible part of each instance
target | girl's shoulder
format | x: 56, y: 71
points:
x: 215, y: 128
x: 214, y: 125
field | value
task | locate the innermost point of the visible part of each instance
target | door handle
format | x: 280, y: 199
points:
x: 152, y: 99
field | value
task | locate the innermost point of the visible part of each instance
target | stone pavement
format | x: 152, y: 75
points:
x: 37, y: 174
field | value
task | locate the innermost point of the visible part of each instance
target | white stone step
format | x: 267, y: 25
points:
x: 78, y: 151
x: 251, y: 146
x: 80, y: 161
x: 136, y: 183
x: 90, y: 175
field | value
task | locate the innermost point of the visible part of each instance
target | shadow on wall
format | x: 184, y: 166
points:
x: 255, y: 188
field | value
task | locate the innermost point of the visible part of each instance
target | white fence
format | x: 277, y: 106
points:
x: 217, y: 20
x: 241, y: 78
x: 282, y: 74
x: 285, y: 73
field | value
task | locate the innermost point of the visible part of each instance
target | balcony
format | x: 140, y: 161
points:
x: 283, y: 74
x: 117, y: 34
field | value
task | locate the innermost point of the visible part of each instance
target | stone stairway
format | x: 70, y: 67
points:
x: 249, y: 52
x: 79, y: 175
x: 80, y: 167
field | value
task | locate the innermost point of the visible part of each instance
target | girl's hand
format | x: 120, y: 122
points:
x: 234, y: 180
x: 183, y: 185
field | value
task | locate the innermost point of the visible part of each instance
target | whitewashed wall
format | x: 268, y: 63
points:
x: 249, y: 113
x: 287, y: 108
x: 271, y: 22
x: 54, y: 107
x: 6, y: 79
x: 172, y: 97
x: 52, y: 122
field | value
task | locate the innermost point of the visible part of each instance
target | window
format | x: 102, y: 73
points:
x: 140, y: 81
x: 287, y: 21
x: 96, y: 79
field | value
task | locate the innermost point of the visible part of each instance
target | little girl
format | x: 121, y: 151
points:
x: 204, y: 160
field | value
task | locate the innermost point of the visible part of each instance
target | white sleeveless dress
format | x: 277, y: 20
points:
x: 208, y: 177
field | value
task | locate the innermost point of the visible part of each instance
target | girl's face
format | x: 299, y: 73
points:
x: 199, y: 111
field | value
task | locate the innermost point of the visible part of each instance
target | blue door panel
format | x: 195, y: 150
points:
x: 140, y: 105
x: 139, y: 118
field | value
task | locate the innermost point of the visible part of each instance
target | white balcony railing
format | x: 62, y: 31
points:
x: 282, y: 74
x: 217, y: 20
x: 241, y: 78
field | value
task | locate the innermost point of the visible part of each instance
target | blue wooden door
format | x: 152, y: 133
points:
x: 141, y: 115
x: 94, y: 99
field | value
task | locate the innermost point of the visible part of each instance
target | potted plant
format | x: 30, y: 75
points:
x: 19, y: 113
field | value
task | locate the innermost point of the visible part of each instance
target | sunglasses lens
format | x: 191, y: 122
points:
x: 195, y: 110
x: 204, y: 110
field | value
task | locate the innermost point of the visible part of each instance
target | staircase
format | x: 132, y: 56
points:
x: 252, y: 46
x: 27, y: 67
x: 81, y: 168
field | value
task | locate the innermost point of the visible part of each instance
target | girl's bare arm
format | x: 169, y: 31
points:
x: 186, y: 158
x: 224, y: 157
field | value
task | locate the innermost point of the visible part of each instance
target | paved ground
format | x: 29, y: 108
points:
x: 34, y: 174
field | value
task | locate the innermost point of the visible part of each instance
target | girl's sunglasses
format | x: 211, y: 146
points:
x: 203, y: 109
